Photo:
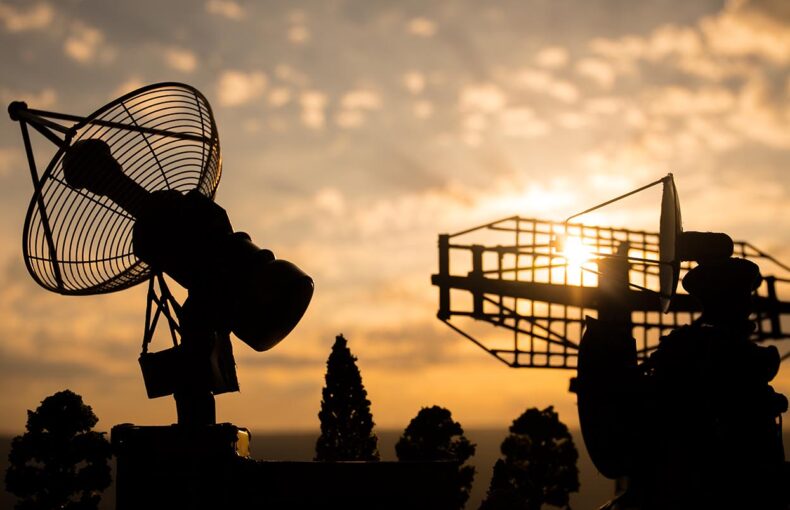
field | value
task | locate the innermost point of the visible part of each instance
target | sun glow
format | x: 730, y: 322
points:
x: 575, y: 252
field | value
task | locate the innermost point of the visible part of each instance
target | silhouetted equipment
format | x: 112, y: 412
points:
x: 128, y: 196
x: 521, y: 288
x: 545, y: 283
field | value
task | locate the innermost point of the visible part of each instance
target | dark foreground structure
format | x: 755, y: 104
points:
x: 207, y: 467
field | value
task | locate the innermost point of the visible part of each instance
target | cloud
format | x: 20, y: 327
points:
x: 597, y: 70
x: 414, y: 81
x: 279, y: 96
x: 483, y: 98
x: 226, y: 9
x: 86, y: 44
x: 680, y: 101
x: 133, y: 83
x: 313, y: 105
x: 10, y: 161
x: 522, y: 123
x: 330, y: 200
x: 573, y: 120
x: 36, y: 17
x: 291, y: 75
x: 180, y: 59
x: 717, y: 47
x: 603, y: 105
x: 348, y: 119
x: 299, y: 34
x: 236, y: 88
x: 543, y: 82
x: 421, y: 27
x: 45, y: 98
x: 552, y: 57
x: 759, y: 119
x: 423, y: 109
x: 361, y: 99
x: 747, y: 29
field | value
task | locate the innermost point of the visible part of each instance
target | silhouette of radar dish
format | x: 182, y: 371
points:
x: 80, y: 242
x: 521, y: 288
x: 128, y: 197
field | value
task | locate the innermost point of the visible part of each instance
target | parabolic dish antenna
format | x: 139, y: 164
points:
x: 669, y: 235
x: 164, y: 137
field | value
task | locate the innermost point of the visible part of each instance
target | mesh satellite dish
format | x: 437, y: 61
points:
x: 128, y: 197
x: 77, y: 242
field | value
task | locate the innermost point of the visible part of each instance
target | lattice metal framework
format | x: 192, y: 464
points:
x: 505, y: 287
x: 164, y: 137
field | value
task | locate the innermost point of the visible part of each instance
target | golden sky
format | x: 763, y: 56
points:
x: 353, y: 132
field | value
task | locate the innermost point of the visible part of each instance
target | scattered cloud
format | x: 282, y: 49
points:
x: 414, y: 81
x: 603, y: 105
x: 743, y: 28
x: 680, y: 101
x: 226, y: 9
x: 313, y: 109
x: 236, y: 88
x: 86, y: 45
x: 361, y: 99
x: 483, y: 97
x: 522, y: 123
x: 552, y: 57
x: 597, y: 70
x: 330, y: 200
x: 423, y: 109
x: 354, y: 106
x: 543, y: 82
x: 758, y: 118
x: 35, y: 17
x: 279, y: 96
x: 573, y: 120
x: 289, y: 74
x: 180, y: 59
x: 127, y: 86
x: 421, y: 27
x: 10, y: 160
x: 348, y: 119
x: 43, y: 99
x: 298, y: 34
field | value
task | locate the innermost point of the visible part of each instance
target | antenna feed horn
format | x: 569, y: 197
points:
x: 15, y: 108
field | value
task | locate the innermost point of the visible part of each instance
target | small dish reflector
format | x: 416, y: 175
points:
x: 670, y: 230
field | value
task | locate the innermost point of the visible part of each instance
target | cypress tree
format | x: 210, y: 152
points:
x: 539, y: 465
x: 59, y: 462
x: 433, y: 435
x: 346, y: 421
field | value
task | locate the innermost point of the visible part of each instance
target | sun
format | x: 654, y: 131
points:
x: 575, y: 252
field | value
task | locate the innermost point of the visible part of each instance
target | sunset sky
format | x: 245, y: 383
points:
x: 354, y: 132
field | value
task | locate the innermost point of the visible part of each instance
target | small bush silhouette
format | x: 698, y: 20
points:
x: 433, y: 435
x: 539, y: 465
x: 59, y: 462
x: 346, y: 422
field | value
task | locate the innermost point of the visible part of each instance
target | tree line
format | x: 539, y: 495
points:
x: 60, y: 462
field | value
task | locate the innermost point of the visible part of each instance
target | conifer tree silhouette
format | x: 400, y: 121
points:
x: 59, y: 462
x: 539, y: 465
x: 433, y: 435
x: 346, y: 421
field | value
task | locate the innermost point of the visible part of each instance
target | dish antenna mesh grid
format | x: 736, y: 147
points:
x: 517, y: 283
x: 163, y: 136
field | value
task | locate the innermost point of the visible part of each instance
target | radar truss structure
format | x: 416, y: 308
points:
x: 164, y: 137
x: 503, y: 286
